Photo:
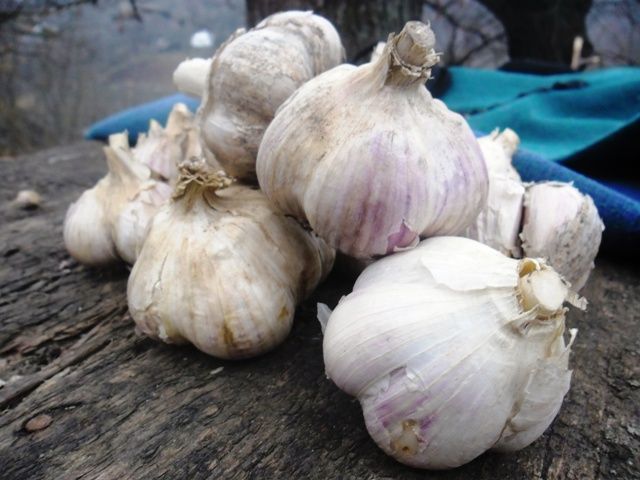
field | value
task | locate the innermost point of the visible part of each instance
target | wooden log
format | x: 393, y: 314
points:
x: 85, y: 397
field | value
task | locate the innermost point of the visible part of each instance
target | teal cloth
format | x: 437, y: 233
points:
x: 578, y: 127
x: 556, y: 116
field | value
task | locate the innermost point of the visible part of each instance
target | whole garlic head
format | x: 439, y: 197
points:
x: 452, y: 349
x: 369, y: 159
x: 498, y: 224
x: 252, y: 74
x: 221, y: 269
x: 109, y: 221
x: 563, y: 226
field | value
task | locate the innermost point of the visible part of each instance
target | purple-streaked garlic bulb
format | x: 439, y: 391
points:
x: 252, y: 74
x: 452, y: 349
x: 562, y: 225
x: 369, y: 159
x: 498, y: 224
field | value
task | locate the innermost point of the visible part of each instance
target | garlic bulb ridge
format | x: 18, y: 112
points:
x: 452, y: 349
x: 252, y: 74
x: 221, y: 269
x: 369, y: 159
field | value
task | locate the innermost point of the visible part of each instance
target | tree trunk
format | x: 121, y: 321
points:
x: 542, y: 29
x: 361, y: 24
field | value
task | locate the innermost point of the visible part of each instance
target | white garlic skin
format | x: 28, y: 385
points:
x: 562, y: 225
x: 436, y: 344
x: 86, y: 231
x: 370, y: 160
x: 162, y: 149
x: 498, y: 224
x: 252, y: 74
x: 190, y: 76
x: 224, y: 271
x: 108, y: 222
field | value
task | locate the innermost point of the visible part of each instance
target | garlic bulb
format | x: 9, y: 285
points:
x: 221, y: 269
x: 563, y: 226
x: 452, y: 349
x: 498, y: 224
x: 109, y: 221
x: 162, y: 149
x: 190, y: 76
x: 369, y: 159
x: 252, y: 74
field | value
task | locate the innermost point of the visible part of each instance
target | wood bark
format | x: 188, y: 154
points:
x: 85, y: 397
x: 360, y: 24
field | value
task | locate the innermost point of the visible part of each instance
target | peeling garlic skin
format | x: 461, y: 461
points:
x: 498, y: 224
x: 370, y: 160
x: 563, y: 226
x: 221, y: 269
x: 449, y: 363
x: 252, y: 74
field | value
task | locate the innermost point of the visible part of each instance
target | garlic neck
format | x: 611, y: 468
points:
x: 541, y: 288
x: 197, y: 179
x: 410, y: 55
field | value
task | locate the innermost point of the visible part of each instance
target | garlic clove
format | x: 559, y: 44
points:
x: 498, y: 224
x: 452, y: 349
x: 369, y: 159
x: 202, y: 276
x: 563, y: 226
x: 252, y: 74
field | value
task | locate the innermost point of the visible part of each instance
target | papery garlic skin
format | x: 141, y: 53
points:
x: 87, y: 231
x: 562, y: 225
x: 221, y: 269
x: 498, y: 224
x: 369, y: 159
x: 252, y: 74
x: 190, y: 76
x: 162, y: 149
x: 445, y: 359
x: 108, y: 222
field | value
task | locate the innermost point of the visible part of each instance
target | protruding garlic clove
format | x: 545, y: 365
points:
x: 222, y: 269
x: 452, y: 349
x: 190, y: 76
x: 252, y: 74
x: 563, y: 226
x: 498, y: 224
x: 369, y: 159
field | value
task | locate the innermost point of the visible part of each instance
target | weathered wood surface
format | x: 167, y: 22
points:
x: 85, y: 397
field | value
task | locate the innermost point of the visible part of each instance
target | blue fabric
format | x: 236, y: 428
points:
x: 136, y: 119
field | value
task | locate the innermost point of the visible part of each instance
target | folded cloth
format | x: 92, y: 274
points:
x: 578, y: 127
x: 136, y: 119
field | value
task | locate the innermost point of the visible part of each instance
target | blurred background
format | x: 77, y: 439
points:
x: 67, y: 63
